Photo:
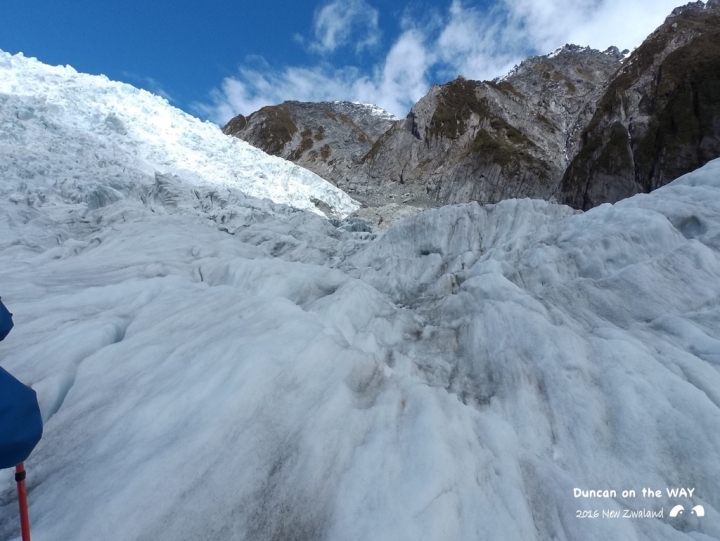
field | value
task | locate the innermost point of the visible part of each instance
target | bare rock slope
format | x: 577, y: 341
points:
x: 660, y: 116
x: 328, y: 138
x: 493, y: 140
x: 579, y: 126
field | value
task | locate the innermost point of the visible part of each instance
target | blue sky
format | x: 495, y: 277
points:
x: 220, y: 57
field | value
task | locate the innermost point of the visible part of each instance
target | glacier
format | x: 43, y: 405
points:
x: 214, y: 359
x: 131, y: 133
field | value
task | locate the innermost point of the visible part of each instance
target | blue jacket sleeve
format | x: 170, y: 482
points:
x: 20, y: 421
x: 6, y: 322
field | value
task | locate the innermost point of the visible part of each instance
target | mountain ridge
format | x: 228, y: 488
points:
x: 660, y: 116
x: 328, y: 138
x: 535, y: 132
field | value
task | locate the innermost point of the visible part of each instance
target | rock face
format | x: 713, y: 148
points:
x: 328, y: 138
x: 464, y: 141
x: 579, y: 126
x: 659, y: 118
x: 488, y: 141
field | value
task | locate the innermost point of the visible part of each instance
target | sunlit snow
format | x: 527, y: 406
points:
x: 91, y: 120
x: 214, y: 366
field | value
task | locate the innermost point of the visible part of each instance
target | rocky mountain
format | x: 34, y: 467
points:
x: 493, y: 140
x: 465, y: 140
x: 579, y: 125
x: 328, y: 138
x: 659, y: 118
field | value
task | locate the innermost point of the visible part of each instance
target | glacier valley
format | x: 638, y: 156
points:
x: 215, y: 359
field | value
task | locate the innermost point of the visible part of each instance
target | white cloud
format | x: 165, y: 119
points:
x: 342, y: 22
x: 403, y: 77
x: 477, y: 45
x: 464, y: 40
x: 395, y: 85
x: 548, y: 24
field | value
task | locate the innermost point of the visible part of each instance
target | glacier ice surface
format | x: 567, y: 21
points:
x: 213, y: 365
x: 90, y: 119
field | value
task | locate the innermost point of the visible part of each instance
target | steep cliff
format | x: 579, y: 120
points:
x: 488, y: 141
x: 579, y: 126
x: 660, y: 116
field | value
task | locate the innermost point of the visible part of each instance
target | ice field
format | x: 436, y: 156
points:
x: 212, y: 365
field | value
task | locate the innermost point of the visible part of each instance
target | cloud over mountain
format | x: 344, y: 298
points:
x: 463, y: 39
